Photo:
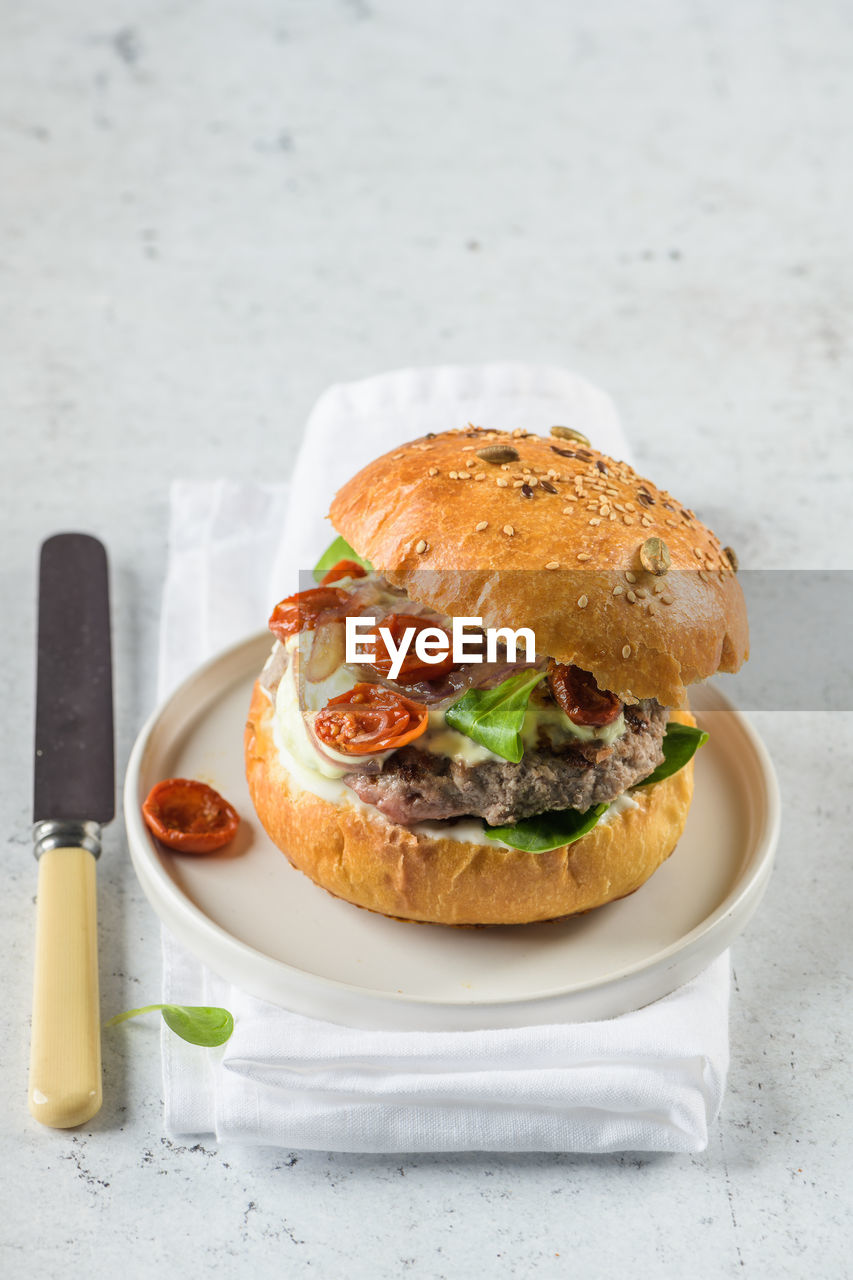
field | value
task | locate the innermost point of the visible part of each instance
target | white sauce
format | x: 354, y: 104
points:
x: 619, y: 806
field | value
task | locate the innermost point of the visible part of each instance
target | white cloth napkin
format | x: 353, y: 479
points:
x: 652, y: 1080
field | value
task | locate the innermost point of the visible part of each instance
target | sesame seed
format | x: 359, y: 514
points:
x: 484, y: 524
x: 433, y: 471
x: 626, y: 651
x: 502, y: 484
x: 584, y: 555
x: 631, y: 577
x: 697, y: 553
x: 595, y: 520
x: 481, y: 476
x: 421, y: 547
x: 628, y: 519
x: 552, y: 564
x: 397, y: 455
x: 551, y: 473
x: 583, y: 601
x: 518, y: 433
x: 508, y: 530
x: 641, y: 593
x: 468, y: 448
x: 517, y: 484
x: 659, y: 587
x: 646, y: 522
x: 673, y: 524
x: 667, y: 598
x: 651, y: 608
x: 454, y: 475
x: 571, y: 497
x: 630, y: 597
x: 567, y: 511
x: 464, y: 475
x: 618, y: 589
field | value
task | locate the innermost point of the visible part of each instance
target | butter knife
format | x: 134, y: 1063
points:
x: 74, y: 795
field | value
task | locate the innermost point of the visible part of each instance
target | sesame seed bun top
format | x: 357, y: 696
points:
x: 611, y: 572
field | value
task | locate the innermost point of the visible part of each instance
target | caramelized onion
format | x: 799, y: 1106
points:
x: 328, y: 650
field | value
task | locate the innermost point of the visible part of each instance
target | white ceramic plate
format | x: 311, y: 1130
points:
x: 264, y: 926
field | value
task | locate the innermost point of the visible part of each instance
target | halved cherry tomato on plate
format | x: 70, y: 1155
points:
x: 302, y: 611
x: 343, y: 569
x: 576, y: 692
x: 370, y: 718
x: 190, y: 816
x: 412, y: 669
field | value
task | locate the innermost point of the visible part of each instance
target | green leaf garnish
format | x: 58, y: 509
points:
x: 340, y: 549
x: 199, y: 1024
x: 548, y: 830
x: 680, y: 744
x: 494, y: 717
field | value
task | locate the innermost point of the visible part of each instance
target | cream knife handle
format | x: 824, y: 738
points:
x: 65, y: 1051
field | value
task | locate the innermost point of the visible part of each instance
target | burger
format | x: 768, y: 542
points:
x: 477, y: 714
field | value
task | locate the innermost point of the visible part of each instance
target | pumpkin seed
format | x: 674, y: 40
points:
x: 498, y: 453
x: 654, y: 556
x: 568, y: 433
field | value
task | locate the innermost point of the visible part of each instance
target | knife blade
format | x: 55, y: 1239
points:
x: 73, y: 796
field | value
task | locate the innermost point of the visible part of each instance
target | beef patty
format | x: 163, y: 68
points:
x: 415, y: 786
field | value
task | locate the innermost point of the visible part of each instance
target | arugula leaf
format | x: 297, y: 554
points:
x: 494, y: 717
x: 199, y: 1024
x: 340, y: 549
x: 548, y: 830
x: 680, y: 744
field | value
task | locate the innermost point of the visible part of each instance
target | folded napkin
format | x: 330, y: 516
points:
x: 652, y: 1080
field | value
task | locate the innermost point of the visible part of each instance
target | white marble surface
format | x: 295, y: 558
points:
x: 207, y: 213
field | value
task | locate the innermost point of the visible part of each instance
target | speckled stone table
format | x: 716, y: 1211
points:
x: 207, y: 213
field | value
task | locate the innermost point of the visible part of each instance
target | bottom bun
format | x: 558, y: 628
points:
x: 357, y: 854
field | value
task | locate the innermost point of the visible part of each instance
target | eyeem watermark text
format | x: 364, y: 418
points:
x: 433, y: 644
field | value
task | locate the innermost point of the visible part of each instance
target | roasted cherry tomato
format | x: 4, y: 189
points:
x: 343, y: 569
x: 302, y: 611
x: 580, y: 697
x: 190, y: 816
x: 412, y: 669
x: 370, y: 718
